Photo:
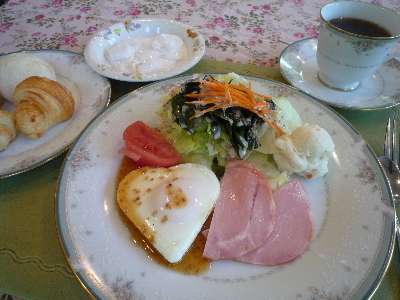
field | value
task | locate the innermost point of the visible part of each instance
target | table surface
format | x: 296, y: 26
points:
x: 252, y: 33
x: 238, y: 31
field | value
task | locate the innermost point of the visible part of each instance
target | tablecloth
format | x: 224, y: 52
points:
x: 252, y: 33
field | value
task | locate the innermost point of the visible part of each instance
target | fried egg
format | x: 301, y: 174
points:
x: 169, y: 205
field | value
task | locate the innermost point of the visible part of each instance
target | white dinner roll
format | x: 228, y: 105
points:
x: 16, y: 67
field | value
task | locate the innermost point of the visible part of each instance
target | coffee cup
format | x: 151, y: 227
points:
x: 355, y: 39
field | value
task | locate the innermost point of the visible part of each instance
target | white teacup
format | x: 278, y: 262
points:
x: 345, y: 58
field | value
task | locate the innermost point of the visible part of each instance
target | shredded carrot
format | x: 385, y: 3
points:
x: 223, y: 95
x: 228, y: 94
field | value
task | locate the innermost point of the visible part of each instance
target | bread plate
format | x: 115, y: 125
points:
x: 91, y: 93
x: 347, y: 259
x: 139, y: 28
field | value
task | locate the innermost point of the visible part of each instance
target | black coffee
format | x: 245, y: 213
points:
x: 359, y: 26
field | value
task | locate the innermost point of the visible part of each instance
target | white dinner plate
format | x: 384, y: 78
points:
x: 135, y: 28
x: 298, y: 64
x: 91, y: 93
x: 351, y: 208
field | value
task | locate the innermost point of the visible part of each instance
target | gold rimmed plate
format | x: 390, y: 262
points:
x: 91, y: 93
x: 351, y: 208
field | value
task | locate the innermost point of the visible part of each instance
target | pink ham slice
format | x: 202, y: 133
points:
x: 244, y: 215
x: 293, y: 229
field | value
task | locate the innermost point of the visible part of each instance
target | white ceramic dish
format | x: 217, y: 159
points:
x: 347, y: 258
x: 91, y: 94
x: 94, y: 50
x: 298, y: 64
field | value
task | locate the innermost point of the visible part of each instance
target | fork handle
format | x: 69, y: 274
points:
x: 395, y: 143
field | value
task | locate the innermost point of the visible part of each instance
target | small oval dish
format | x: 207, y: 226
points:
x: 124, y: 34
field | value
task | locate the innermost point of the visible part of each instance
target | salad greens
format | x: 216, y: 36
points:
x: 266, y: 164
x: 217, y: 135
x: 285, y: 115
x: 241, y: 126
x: 196, y: 140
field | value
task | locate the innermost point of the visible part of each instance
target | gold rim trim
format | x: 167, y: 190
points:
x: 61, y: 243
x: 381, y: 38
x: 85, y: 285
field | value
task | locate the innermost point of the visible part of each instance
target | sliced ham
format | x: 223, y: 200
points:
x: 244, y: 215
x: 292, y: 232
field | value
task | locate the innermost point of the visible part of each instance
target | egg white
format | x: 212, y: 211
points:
x: 169, y: 205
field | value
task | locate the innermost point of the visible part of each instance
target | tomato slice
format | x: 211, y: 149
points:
x: 147, y: 147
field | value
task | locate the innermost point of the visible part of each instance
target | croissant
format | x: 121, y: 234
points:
x: 8, y: 131
x: 41, y: 104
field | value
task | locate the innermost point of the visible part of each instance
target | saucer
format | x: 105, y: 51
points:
x: 298, y: 64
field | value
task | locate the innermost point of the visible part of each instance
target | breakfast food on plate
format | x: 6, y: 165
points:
x: 41, y: 104
x: 16, y: 67
x: 139, y: 138
x: 256, y: 144
x: 306, y: 151
x: 243, y: 224
x: 146, y: 57
x: 273, y: 239
x: 292, y: 231
x: 285, y: 115
x: 169, y: 205
x: 40, y: 101
x: 7, y: 129
x: 215, y: 119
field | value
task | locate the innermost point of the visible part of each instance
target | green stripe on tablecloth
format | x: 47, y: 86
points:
x: 32, y: 264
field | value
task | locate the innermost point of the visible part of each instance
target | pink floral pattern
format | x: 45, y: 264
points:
x: 238, y: 31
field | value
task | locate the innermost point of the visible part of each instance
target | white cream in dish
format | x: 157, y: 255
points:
x: 146, y: 57
x: 169, y: 205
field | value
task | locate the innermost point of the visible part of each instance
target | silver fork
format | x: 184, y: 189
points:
x: 391, y: 145
x: 391, y: 162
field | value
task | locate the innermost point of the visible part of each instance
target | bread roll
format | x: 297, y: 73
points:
x: 41, y: 104
x: 7, y: 129
x: 16, y: 67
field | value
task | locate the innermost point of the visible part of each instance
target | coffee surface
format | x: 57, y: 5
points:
x: 359, y: 26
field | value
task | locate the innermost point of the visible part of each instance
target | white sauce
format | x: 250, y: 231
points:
x: 146, y: 57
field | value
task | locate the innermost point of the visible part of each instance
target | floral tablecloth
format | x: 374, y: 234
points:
x: 244, y: 32
x: 237, y: 31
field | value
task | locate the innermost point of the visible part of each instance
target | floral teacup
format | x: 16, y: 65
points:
x: 346, y: 58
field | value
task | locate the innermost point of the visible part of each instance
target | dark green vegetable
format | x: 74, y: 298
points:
x: 240, y: 124
x: 183, y: 112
